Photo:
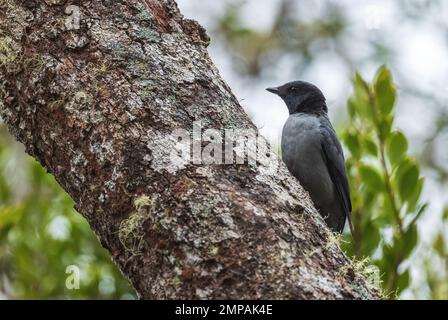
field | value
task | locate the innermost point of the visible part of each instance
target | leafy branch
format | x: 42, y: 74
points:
x: 385, y: 182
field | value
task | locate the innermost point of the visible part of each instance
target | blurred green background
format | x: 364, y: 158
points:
x: 393, y: 122
x: 41, y: 235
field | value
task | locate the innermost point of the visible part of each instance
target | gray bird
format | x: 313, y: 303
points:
x: 312, y: 152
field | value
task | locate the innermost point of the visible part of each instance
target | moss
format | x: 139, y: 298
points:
x: 102, y: 69
x: 36, y: 62
x: 176, y: 281
x: 82, y: 98
x: 13, y: 61
x: 333, y: 240
x: 142, y: 201
x: 57, y: 104
x: 131, y: 232
x: 10, y: 58
x: 214, y: 251
x: 367, y: 271
x: 353, y: 267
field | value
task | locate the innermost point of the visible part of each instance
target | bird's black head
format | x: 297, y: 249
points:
x: 301, y: 96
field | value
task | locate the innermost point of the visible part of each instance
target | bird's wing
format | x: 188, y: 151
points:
x: 334, y: 159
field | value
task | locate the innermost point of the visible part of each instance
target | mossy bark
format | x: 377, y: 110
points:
x: 94, y: 105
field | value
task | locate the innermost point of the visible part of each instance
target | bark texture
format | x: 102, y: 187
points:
x: 95, y: 106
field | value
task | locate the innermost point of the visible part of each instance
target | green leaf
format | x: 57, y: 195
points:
x: 387, y: 260
x: 439, y: 245
x: 385, y: 91
x: 361, y: 86
x: 414, y: 198
x: 370, y: 146
x: 10, y: 215
x: 371, y: 238
x: 408, y: 241
x: 385, y: 127
x: 396, y: 147
x: 418, y: 214
x: 445, y: 214
x: 384, y: 215
x: 404, y: 164
x: 403, y: 281
x: 360, y: 103
x: 351, y: 140
x: 371, y: 178
x: 408, y: 182
x: 352, y: 106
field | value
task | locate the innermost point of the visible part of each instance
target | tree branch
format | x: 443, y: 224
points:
x: 97, y: 105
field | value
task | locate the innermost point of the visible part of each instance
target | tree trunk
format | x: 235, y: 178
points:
x: 99, y: 101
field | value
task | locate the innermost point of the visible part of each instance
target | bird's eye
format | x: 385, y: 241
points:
x: 293, y: 89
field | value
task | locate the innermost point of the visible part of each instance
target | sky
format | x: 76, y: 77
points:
x: 420, y: 49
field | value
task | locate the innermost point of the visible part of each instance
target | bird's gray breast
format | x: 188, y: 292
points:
x: 302, y: 153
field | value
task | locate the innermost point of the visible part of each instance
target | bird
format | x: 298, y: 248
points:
x: 313, y: 154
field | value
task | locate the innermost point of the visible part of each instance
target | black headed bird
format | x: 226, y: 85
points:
x: 312, y: 152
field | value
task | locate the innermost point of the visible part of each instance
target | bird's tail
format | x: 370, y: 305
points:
x: 350, y: 224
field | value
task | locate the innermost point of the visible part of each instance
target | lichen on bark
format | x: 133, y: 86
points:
x: 95, y: 106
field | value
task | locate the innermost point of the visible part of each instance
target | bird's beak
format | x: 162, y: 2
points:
x: 274, y: 90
